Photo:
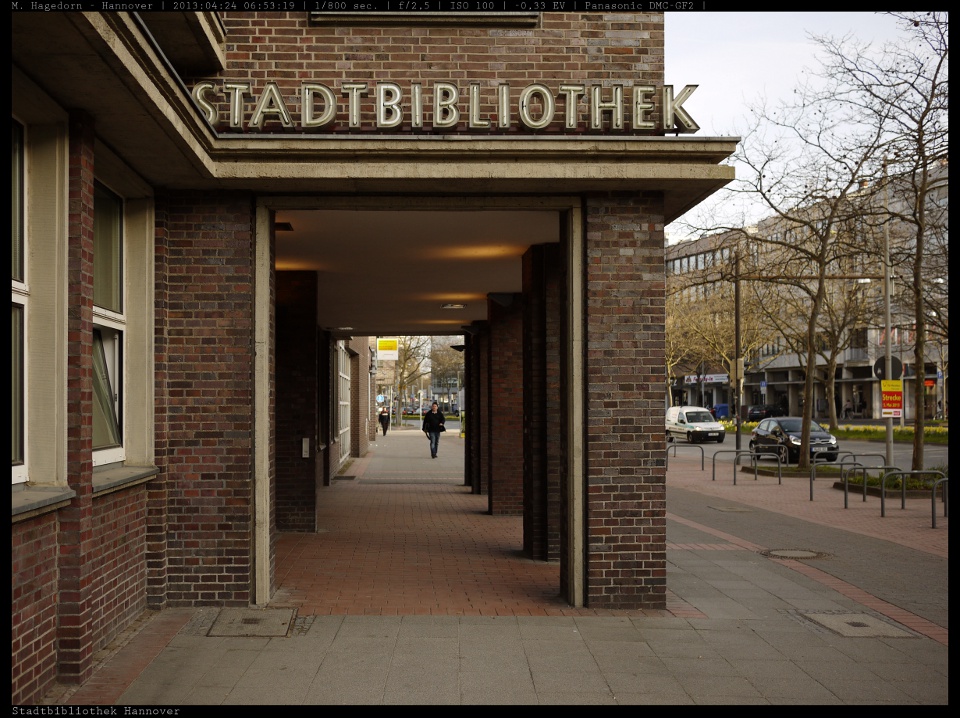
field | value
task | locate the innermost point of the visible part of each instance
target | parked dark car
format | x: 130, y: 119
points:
x: 762, y: 411
x: 782, y: 435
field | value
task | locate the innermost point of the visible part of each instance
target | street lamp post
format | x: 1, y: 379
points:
x: 737, y: 363
x: 887, y: 353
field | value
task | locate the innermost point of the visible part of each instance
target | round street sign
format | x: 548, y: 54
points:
x: 896, y: 368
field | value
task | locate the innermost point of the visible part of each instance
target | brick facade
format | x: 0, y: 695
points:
x: 84, y: 569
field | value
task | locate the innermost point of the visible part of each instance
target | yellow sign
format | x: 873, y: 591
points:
x: 891, y: 397
x: 388, y: 349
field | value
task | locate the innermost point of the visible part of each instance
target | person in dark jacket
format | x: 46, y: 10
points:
x: 432, y: 426
x: 384, y: 420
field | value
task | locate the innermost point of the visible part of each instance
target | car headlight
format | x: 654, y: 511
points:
x: 795, y: 440
x: 833, y: 441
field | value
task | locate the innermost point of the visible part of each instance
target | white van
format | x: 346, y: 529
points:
x: 694, y: 423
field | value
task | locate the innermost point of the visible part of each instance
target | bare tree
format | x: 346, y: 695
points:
x: 446, y: 364
x: 901, y: 93
x: 805, y: 161
x: 412, y: 355
x: 701, y: 327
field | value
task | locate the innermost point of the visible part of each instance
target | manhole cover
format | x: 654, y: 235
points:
x: 856, y: 625
x: 252, y: 622
x: 792, y: 553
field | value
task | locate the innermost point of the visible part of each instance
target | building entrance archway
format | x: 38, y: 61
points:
x: 476, y: 251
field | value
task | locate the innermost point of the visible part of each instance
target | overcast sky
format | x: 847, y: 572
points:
x: 735, y: 57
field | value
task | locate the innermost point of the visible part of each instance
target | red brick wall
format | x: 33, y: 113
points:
x: 207, y: 331
x: 79, y: 574
x: 157, y: 490
x: 566, y: 48
x: 119, y: 568
x: 506, y: 406
x: 33, y: 608
x: 296, y: 385
x: 625, y: 367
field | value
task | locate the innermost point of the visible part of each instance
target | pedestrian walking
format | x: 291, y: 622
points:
x: 432, y: 427
x: 847, y: 408
x: 384, y: 419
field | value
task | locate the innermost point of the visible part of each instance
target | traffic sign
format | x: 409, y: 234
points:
x: 896, y: 368
x: 891, y: 398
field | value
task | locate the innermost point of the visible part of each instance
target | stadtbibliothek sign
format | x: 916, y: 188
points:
x: 388, y: 105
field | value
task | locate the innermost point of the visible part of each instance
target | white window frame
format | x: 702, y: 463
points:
x: 115, y: 324
x: 112, y: 328
x: 343, y: 401
x: 20, y: 295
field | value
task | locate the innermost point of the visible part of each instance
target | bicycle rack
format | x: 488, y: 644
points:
x: 813, y: 468
x: 903, y: 486
x: 674, y: 445
x: 933, y: 499
x: 845, y: 475
x: 753, y: 460
x: 736, y: 460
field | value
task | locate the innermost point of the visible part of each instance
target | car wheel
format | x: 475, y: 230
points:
x: 784, y: 454
x: 690, y: 439
x: 720, y: 440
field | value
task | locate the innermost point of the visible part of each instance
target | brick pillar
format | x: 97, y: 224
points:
x: 471, y: 463
x: 296, y: 382
x: 483, y: 414
x: 554, y: 290
x: 625, y: 372
x: 506, y: 404
x: 543, y: 419
x: 207, y: 362
x: 534, y: 406
x: 362, y: 401
x: 75, y: 612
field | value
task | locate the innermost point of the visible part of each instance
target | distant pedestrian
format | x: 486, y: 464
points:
x: 847, y: 409
x: 384, y: 419
x: 432, y: 426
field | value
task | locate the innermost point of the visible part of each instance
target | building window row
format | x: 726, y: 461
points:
x: 121, y: 338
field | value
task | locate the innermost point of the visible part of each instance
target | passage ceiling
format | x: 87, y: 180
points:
x: 384, y: 273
